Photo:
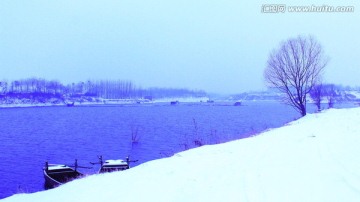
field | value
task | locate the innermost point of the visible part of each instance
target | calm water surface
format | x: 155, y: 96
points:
x: 31, y: 136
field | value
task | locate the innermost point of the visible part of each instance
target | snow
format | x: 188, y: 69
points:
x: 181, y: 99
x: 354, y: 93
x: 29, y: 105
x: 57, y: 167
x: 115, y: 162
x: 311, y: 159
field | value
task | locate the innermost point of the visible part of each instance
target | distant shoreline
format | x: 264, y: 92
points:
x: 103, y: 102
x: 132, y: 102
x: 129, y: 102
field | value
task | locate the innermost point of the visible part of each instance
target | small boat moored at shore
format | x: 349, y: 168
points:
x: 174, y: 102
x: 70, y: 104
x: 58, y: 174
x: 113, y: 165
x: 238, y: 103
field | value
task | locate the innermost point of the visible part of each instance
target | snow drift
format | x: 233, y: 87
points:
x: 312, y: 159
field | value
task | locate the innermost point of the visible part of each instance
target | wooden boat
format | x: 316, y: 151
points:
x: 58, y: 174
x: 113, y: 165
x: 174, y: 102
x: 238, y: 103
x: 70, y: 104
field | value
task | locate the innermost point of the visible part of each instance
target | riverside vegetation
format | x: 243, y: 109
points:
x: 41, y: 91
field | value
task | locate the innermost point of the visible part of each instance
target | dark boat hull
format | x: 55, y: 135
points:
x: 109, y: 169
x: 55, y: 179
x: 70, y: 104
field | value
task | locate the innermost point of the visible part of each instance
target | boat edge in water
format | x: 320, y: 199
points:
x: 58, y: 174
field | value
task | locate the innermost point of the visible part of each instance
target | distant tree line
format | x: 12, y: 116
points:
x: 108, y: 89
x: 32, y: 85
x: 320, y: 94
x: 174, y: 92
x: 330, y: 93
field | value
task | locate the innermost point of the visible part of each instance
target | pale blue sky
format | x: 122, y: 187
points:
x: 217, y: 46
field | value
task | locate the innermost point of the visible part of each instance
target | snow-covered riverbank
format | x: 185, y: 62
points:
x: 312, y: 159
x: 17, y: 103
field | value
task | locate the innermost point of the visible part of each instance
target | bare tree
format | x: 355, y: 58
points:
x: 316, y: 95
x: 330, y: 93
x: 3, y: 87
x: 295, y: 68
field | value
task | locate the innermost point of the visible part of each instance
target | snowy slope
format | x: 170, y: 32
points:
x: 313, y: 159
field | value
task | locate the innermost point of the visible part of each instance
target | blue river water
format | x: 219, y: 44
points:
x: 31, y: 136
